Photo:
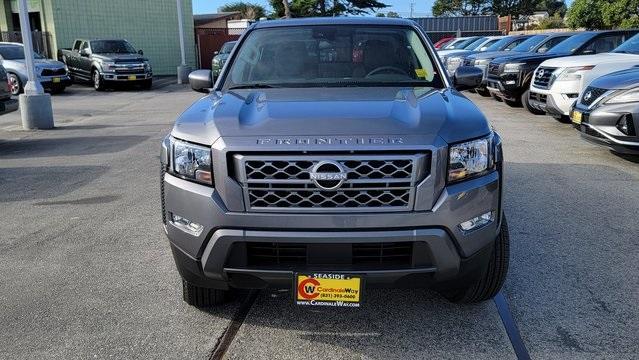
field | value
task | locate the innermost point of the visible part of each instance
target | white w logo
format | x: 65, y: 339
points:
x: 309, y: 289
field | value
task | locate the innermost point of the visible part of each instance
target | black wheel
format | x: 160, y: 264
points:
x: 562, y: 119
x: 491, y: 281
x: 526, y: 103
x: 147, y: 84
x: 202, y: 297
x: 513, y: 103
x: 495, y: 97
x: 57, y: 90
x: 15, y: 85
x: 483, y: 92
x: 98, y: 83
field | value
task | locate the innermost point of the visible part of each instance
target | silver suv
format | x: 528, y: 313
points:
x: 332, y: 156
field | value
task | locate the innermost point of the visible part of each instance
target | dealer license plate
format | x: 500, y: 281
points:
x: 132, y: 77
x: 328, y: 290
x: 56, y: 80
x: 576, y: 116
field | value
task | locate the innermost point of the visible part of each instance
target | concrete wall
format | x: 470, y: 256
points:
x: 150, y: 25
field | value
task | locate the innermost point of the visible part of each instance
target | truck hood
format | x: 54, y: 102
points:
x: 529, y: 58
x: 491, y: 54
x: 120, y: 57
x: 450, y: 52
x: 39, y: 63
x: 332, y: 112
x: 620, y: 80
x: 583, y: 60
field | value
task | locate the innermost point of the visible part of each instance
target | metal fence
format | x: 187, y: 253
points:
x: 41, y: 41
x: 441, y: 27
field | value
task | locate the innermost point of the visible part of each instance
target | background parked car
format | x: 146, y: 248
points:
x: 503, y: 43
x: 443, y: 42
x: 459, y: 43
x: 7, y: 104
x: 220, y: 57
x: 52, y: 74
x: 607, y: 111
x: 509, y: 77
x: 107, y: 61
x: 570, y: 75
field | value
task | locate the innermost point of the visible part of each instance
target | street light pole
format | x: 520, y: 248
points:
x: 183, y: 70
x: 35, y: 106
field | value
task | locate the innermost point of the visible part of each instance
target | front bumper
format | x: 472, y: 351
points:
x: 505, y: 86
x: 441, y: 251
x: 112, y: 76
x: 599, y: 126
x: 49, y: 82
x: 552, y: 101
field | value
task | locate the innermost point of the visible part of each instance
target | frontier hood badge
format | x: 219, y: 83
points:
x: 328, y: 175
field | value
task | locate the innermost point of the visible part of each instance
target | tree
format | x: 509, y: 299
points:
x: 392, y: 14
x: 308, y: 8
x: 248, y: 10
x: 587, y: 14
x: 553, y: 7
x: 513, y: 7
x: 621, y: 14
x: 460, y: 7
x: 380, y: 15
x: 553, y: 22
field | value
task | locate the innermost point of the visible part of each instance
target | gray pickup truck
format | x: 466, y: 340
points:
x: 331, y: 156
x: 106, y: 62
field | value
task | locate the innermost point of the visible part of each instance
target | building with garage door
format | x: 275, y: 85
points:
x: 150, y: 25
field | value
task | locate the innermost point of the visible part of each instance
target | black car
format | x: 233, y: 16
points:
x: 509, y: 77
x: 540, y: 43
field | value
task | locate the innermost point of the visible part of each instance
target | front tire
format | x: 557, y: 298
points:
x: 15, y: 85
x: 562, y: 119
x: 526, y: 103
x: 147, y: 84
x: 490, y: 282
x: 483, y: 92
x: 98, y: 82
x: 202, y: 297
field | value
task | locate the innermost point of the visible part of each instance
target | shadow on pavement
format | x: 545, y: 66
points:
x: 31, y: 183
x: 68, y: 146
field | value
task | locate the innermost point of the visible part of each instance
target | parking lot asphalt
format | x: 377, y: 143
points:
x: 87, y: 272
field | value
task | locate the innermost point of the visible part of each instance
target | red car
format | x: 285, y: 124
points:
x: 443, y: 42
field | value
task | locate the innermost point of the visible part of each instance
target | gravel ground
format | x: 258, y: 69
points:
x: 87, y: 272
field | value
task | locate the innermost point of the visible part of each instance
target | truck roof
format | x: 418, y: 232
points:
x: 334, y: 21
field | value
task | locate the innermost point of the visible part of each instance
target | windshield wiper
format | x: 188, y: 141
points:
x: 252, y: 86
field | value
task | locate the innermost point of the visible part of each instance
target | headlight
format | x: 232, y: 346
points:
x: 513, y: 67
x: 469, y: 159
x: 481, y: 62
x: 108, y: 66
x: 627, y: 96
x: 573, y: 73
x: 453, y: 61
x: 147, y: 66
x: 191, y: 162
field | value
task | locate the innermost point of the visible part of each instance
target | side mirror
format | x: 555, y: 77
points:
x: 467, y: 77
x: 141, y: 52
x: 201, y: 80
x: 588, y: 52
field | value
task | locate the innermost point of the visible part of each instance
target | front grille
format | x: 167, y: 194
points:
x: 543, y: 76
x: 53, y: 72
x: 591, y: 94
x: 493, y: 69
x: 129, y: 71
x: 282, y: 255
x: 369, y: 183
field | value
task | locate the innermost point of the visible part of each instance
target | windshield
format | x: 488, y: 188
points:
x: 630, y: 46
x: 461, y: 44
x: 530, y: 43
x: 228, y: 47
x: 330, y: 56
x: 499, y: 45
x: 476, y: 44
x: 111, y: 46
x: 571, y: 44
x: 15, y: 53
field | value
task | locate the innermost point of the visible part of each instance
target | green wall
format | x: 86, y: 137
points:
x: 150, y: 25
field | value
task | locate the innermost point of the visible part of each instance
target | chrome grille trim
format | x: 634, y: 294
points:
x: 375, y: 183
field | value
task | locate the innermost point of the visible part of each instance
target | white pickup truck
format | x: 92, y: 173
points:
x: 557, y: 82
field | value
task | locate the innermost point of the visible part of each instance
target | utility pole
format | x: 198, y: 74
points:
x: 412, y: 8
x: 183, y: 70
x: 35, y: 106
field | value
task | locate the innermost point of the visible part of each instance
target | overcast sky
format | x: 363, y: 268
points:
x: 422, y: 7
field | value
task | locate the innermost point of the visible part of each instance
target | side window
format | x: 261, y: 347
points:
x: 550, y: 44
x: 603, y: 44
x: 85, y: 46
x: 514, y: 43
x: 76, y: 45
